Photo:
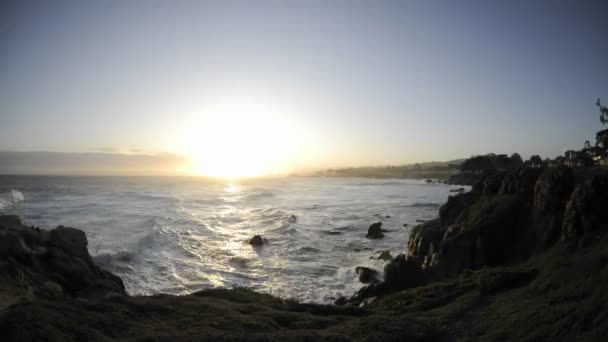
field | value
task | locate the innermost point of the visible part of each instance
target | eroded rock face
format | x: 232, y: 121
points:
x: 449, y: 212
x: 71, y: 240
x: 51, y: 263
x: 521, y: 181
x: 423, y: 236
x: 553, y: 189
x: 587, y: 209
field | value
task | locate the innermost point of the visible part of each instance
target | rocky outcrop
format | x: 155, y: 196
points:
x: 375, y: 231
x: 587, y: 209
x: 366, y: 274
x: 51, y: 263
x: 503, y: 220
x: 424, y: 237
x: 257, y: 240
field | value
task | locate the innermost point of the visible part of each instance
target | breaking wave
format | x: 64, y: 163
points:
x: 10, y: 198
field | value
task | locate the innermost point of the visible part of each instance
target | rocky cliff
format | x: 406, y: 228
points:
x: 504, y: 220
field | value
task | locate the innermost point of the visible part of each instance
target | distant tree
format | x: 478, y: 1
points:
x: 587, y: 145
x: 603, y: 111
x: 477, y: 163
x: 536, y: 161
x: 516, y: 160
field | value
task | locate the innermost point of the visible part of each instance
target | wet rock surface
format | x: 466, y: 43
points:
x: 375, y: 231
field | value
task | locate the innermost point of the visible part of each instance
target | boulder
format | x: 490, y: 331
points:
x: 257, y: 240
x: 366, y: 275
x: 51, y: 264
x: 71, y: 240
x: 403, y: 272
x: 375, y: 231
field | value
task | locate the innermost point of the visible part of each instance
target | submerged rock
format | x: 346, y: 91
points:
x: 375, y: 231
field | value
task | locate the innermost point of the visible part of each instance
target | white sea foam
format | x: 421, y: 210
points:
x: 10, y: 198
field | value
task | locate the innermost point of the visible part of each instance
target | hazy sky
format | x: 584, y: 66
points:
x: 316, y: 83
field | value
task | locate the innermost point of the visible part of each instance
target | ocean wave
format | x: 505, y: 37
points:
x: 105, y: 259
x: 10, y: 198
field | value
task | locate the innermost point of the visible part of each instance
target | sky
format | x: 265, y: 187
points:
x: 248, y: 87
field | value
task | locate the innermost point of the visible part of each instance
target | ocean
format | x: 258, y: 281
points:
x: 178, y: 235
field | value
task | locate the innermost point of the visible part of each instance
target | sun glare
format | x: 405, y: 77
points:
x: 239, y: 138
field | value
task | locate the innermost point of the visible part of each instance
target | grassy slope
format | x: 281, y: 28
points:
x: 559, y: 295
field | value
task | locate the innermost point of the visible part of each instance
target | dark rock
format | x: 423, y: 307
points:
x: 492, y: 183
x: 10, y: 220
x: 403, y: 272
x: 341, y: 301
x: 521, y: 181
x: 51, y: 264
x: 488, y: 234
x: 257, y: 240
x: 455, y: 205
x: 422, y: 236
x: 366, y: 274
x: 587, y: 209
x: 375, y: 231
x: 71, y: 240
x: 385, y: 255
x: 553, y: 189
x: 292, y: 219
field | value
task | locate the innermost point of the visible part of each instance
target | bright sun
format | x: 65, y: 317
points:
x: 239, y: 138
